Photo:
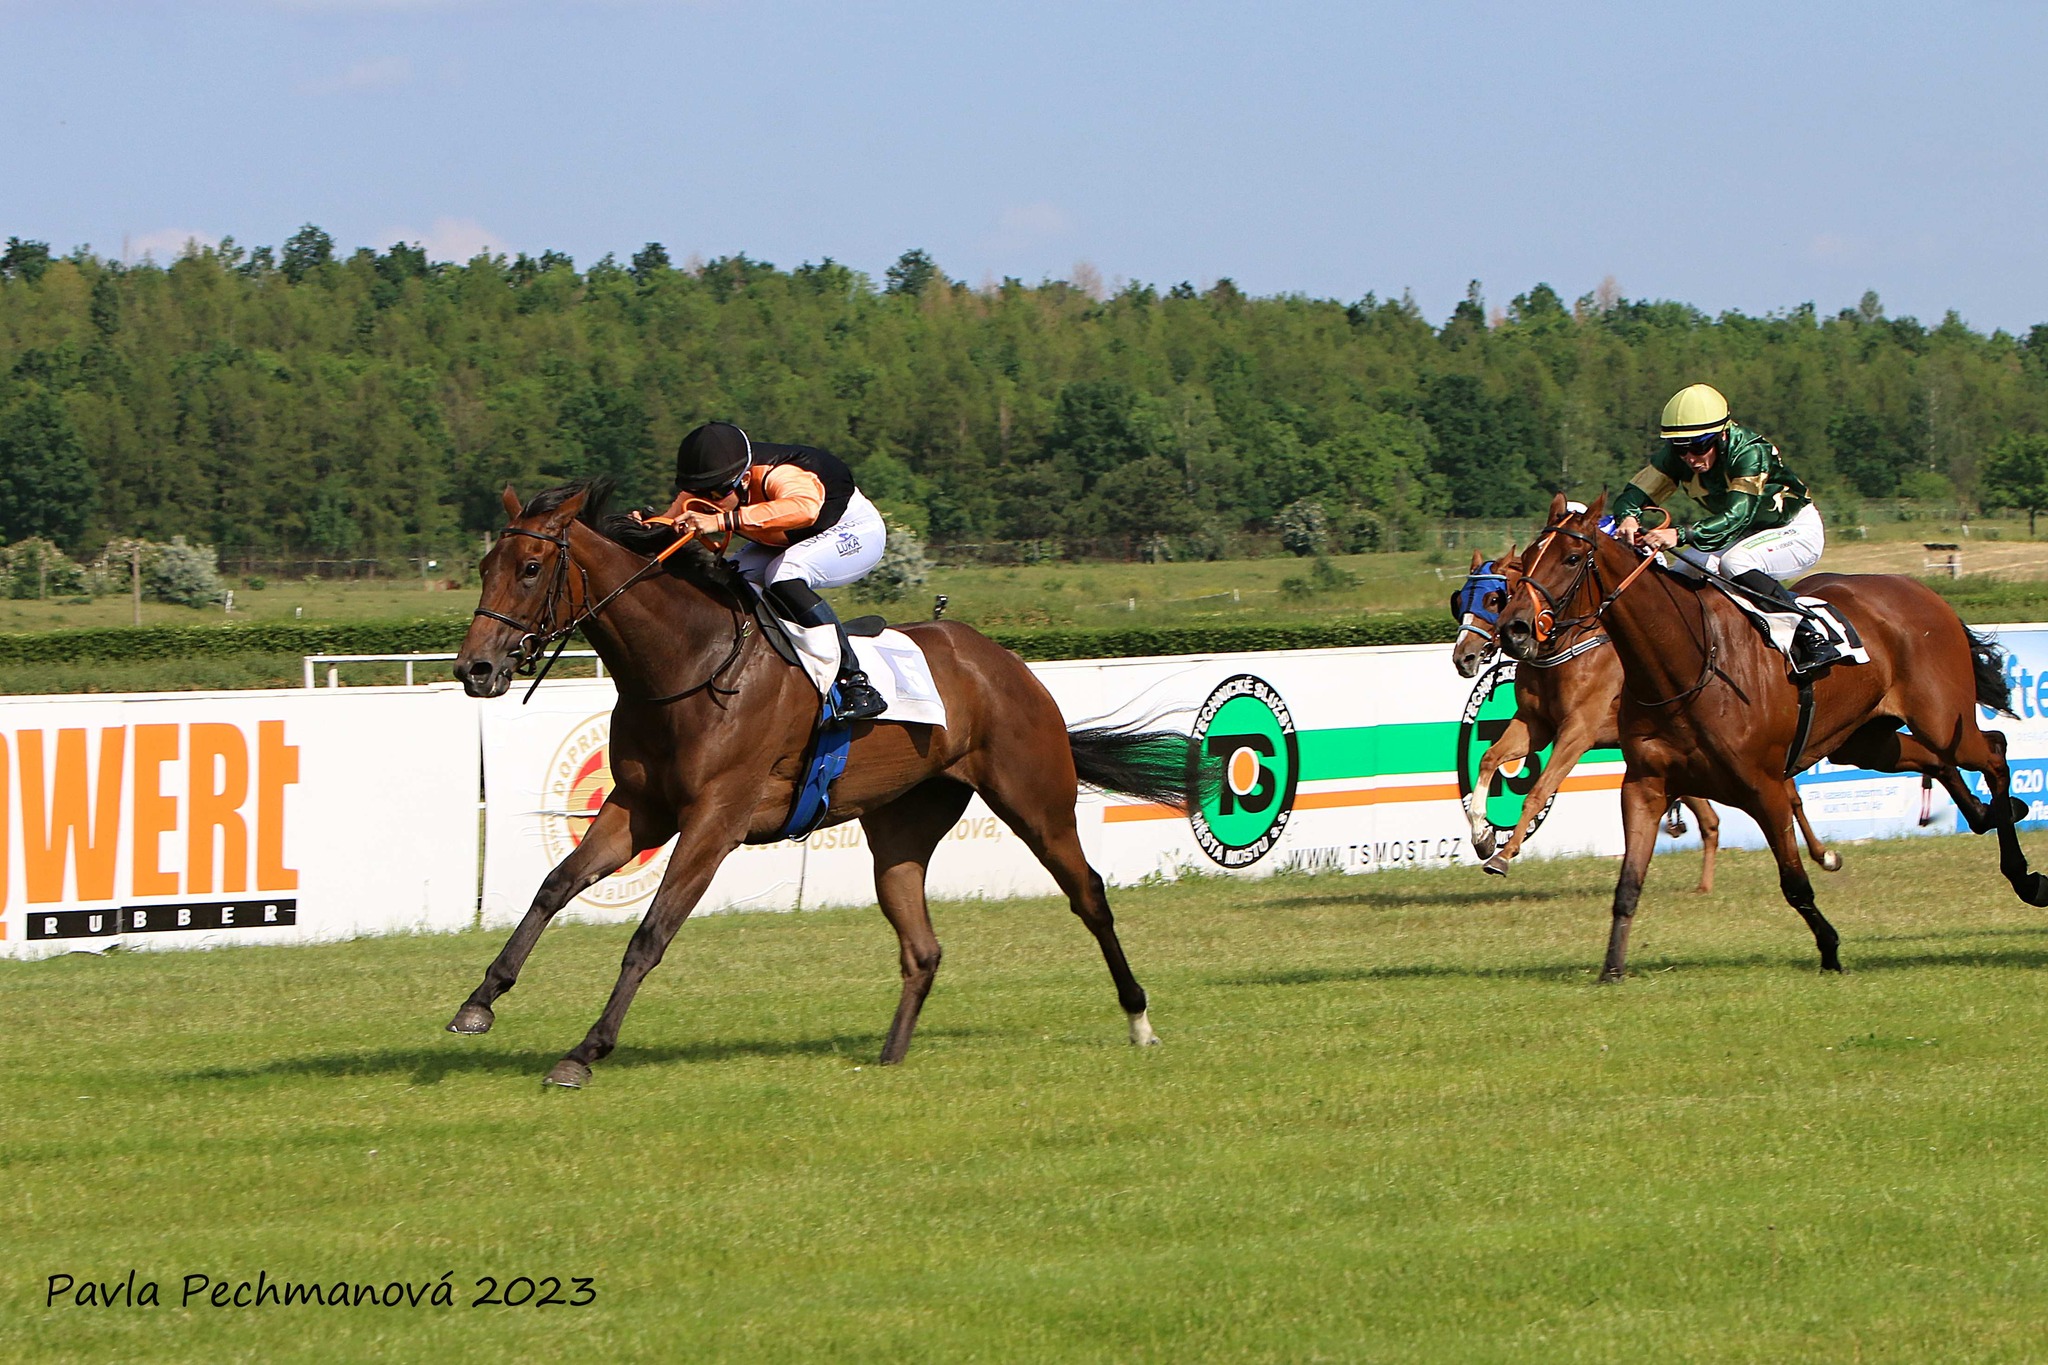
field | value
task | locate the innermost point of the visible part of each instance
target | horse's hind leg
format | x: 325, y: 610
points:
x: 1710, y: 838
x: 1822, y: 854
x: 1883, y: 748
x: 1774, y: 814
x: 1038, y: 805
x: 604, y: 850
x: 1984, y: 751
x: 902, y: 836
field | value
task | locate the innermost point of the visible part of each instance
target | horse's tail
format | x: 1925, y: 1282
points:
x: 1154, y: 765
x: 1987, y: 661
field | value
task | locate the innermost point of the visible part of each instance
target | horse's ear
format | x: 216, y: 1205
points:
x: 513, y: 506
x: 571, y: 508
x: 1476, y: 562
x: 1558, y: 505
x: 1599, y: 506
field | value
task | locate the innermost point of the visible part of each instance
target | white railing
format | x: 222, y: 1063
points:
x: 334, y: 661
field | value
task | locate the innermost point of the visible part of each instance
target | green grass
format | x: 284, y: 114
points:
x: 1394, y: 1119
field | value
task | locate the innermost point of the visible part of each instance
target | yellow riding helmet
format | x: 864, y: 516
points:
x: 1695, y: 410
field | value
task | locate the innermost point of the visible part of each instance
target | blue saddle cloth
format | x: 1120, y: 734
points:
x: 824, y: 761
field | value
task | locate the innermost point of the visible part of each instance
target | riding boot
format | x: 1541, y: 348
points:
x: 858, y: 699
x: 1810, y: 648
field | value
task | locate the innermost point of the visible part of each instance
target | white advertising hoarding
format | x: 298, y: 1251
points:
x: 247, y: 817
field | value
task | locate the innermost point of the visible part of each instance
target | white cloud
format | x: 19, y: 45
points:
x: 1022, y: 227
x: 378, y: 73
x: 164, y: 245
x: 451, y: 239
x: 1037, y: 220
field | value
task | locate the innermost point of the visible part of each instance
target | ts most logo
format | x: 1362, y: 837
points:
x: 1248, y: 764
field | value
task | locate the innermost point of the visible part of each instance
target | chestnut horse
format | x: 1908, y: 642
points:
x: 1707, y: 708
x: 1572, y: 699
x: 708, y: 738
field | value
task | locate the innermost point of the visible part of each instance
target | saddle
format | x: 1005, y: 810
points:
x: 1778, y: 623
x: 894, y: 664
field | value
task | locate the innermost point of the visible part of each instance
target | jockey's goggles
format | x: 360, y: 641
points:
x: 1695, y: 445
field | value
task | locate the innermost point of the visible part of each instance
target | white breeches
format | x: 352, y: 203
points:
x: 830, y: 559
x: 1783, y: 551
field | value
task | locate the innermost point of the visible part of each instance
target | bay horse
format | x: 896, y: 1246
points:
x: 1707, y: 708
x: 708, y: 738
x: 1571, y: 698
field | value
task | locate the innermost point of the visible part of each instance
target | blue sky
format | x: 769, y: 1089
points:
x: 1751, y: 156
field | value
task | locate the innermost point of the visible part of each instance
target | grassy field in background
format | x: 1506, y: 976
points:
x: 2007, y: 580
x: 1394, y: 1118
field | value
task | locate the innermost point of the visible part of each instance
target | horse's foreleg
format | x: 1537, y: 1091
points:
x: 1710, y: 838
x: 1642, y: 804
x: 705, y: 841
x: 604, y: 850
x: 1569, y: 744
x: 1829, y: 860
x: 1513, y: 744
x: 1773, y: 814
x: 902, y: 836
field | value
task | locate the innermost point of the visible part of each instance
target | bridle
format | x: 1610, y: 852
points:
x: 537, y: 635
x: 1548, y: 624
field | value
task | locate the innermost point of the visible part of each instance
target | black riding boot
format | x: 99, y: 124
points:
x: 1810, y: 648
x: 858, y: 699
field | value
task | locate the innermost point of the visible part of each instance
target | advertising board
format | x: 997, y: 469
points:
x: 247, y: 817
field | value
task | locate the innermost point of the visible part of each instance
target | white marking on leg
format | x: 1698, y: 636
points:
x: 1141, y: 1031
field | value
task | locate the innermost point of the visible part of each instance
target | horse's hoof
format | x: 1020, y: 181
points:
x: 1484, y: 846
x: 2020, y: 809
x: 1141, y: 1031
x: 1610, y: 975
x: 569, y: 1074
x: 1831, y: 861
x: 1497, y: 864
x: 472, y: 1019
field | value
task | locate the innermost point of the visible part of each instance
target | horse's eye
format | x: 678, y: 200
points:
x: 1495, y: 600
x: 1570, y: 560
x: 532, y: 569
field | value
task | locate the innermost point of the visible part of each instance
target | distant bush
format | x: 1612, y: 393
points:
x: 179, y: 573
x: 1304, y: 527
x: 1323, y: 577
x: 904, y: 568
x: 37, y: 568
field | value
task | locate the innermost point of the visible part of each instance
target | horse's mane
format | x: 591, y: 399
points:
x: 694, y: 562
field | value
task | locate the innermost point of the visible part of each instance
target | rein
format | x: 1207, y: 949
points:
x: 542, y: 632
x: 1548, y: 626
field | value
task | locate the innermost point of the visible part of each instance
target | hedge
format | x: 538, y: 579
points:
x: 431, y: 636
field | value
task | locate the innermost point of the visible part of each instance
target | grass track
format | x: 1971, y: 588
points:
x: 1394, y: 1119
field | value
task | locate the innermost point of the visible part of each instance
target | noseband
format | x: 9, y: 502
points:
x: 1468, y: 605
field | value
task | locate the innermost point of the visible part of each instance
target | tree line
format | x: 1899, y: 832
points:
x: 299, y: 400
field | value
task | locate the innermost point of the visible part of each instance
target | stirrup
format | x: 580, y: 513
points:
x: 858, y: 699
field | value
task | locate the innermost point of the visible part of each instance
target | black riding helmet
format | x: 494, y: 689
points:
x: 712, y: 459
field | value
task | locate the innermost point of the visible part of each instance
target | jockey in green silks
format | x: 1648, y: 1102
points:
x: 1761, y: 525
